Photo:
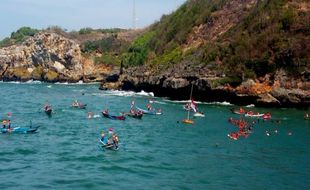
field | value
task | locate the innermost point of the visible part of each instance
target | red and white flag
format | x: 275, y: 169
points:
x: 193, y: 105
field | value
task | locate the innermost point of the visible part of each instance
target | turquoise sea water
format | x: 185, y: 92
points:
x: 156, y: 152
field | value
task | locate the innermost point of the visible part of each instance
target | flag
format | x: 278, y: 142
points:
x: 193, y: 105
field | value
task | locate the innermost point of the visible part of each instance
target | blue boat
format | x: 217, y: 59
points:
x: 150, y: 112
x: 19, y: 130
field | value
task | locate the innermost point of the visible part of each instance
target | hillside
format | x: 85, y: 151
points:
x: 245, y: 48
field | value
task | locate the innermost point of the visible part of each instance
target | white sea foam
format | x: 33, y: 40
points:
x: 198, y: 102
x: 33, y: 82
x: 76, y: 83
x: 124, y: 93
x: 13, y: 82
x: 250, y: 106
x: 222, y: 103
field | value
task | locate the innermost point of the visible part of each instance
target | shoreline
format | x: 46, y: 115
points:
x: 217, y: 96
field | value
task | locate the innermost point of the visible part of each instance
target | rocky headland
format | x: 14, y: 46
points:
x: 49, y: 57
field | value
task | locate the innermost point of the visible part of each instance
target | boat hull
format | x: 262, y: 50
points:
x: 113, y: 117
x: 188, y: 121
x: 148, y: 112
x: 20, y: 130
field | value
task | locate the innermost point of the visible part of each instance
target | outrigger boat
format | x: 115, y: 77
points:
x: 108, y: 146
x: 20, y: 130
x: 107, y: 115
x: 150, y: 112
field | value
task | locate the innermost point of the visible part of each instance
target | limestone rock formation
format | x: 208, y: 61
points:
x: 45, y: 56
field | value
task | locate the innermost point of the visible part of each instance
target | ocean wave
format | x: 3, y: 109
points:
x: 221, y: 103
x: 250, y: 106
x: 11, y: 82
x: 124, y: 93
x: 33, y: 82
x: 198, y: 102
x: 76, y: 83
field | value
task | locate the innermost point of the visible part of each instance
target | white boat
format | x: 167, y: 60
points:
x: 199, y: 114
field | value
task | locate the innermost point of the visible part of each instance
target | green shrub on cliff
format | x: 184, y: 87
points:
x: 109, y: 44
x: 19, y: 36
x: 5, y: 42
x: 108, y: 59
x: 138, y: 51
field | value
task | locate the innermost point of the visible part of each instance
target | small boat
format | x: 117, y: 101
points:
x: 251, y: 114
x: 20, y: 130
x: 237, y: 111
x: 79, y: 105
x: 199, y: 114
x: 188, y: 107
x: 150, y: 112
x: 108, y: 146
x: 188, y: 121
x: 107, y: 115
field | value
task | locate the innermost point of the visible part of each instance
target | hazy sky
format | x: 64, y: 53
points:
x: 76, y: 14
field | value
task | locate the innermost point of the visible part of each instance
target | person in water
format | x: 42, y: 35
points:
x: 90, y: 115
x: 9, y: 124
x: 241, y: 110
x: 104, y: 139
x: 115, y: 140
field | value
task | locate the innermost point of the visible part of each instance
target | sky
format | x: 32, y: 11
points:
x: 77, y: 14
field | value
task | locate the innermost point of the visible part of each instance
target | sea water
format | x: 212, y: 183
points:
x: 157, y: 152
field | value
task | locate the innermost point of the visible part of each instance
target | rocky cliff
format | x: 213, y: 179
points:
x: 49, y: 57
x: 46, y: 57
x: 241, y: 51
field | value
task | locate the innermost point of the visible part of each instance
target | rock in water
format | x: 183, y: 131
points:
x: 45, y: 56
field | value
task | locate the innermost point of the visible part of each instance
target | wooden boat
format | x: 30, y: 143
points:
x: 237, y: 111
x: 187, y: 120
x: 108, y: 146
x: 107, y: 115
x: 20, y: 130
